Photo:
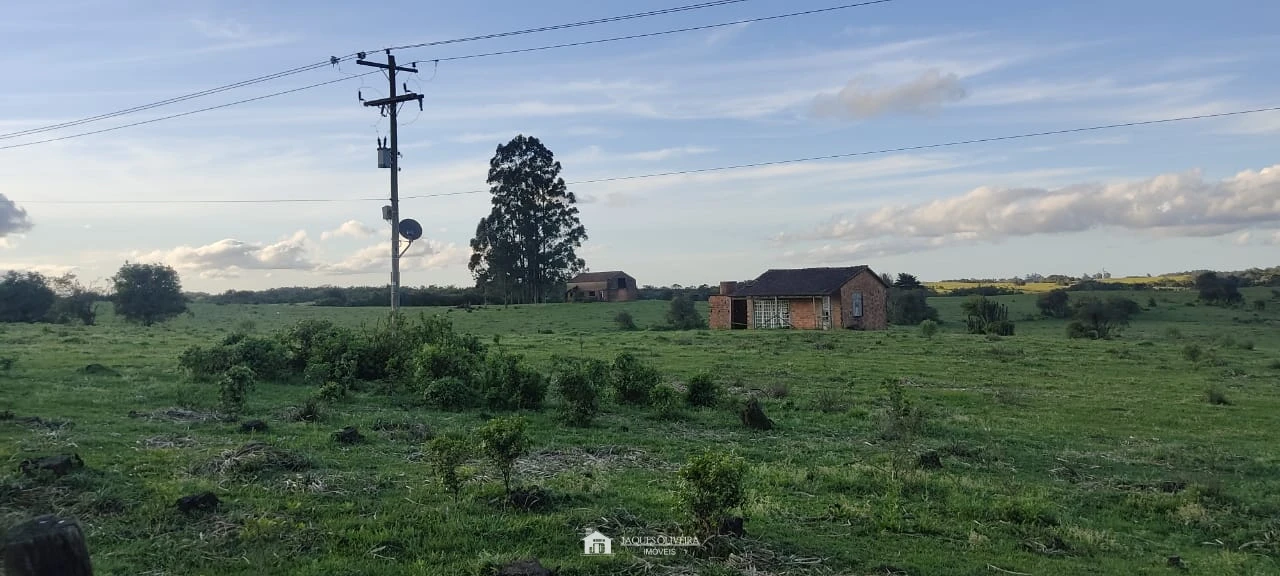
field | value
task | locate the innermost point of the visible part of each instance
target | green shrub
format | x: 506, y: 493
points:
x: 712, y: 485
x: 310, y: 411
x: 503, y: 441
x: 633, y: 380
x: 448, y: 358
x: 625, y: 321
x: 1054, y: 304
x: 1217, y: 397
x: 1260, y: 305
x: 447, y: 454
x: 205, y: 363
x: 507, y: 383
x: 703, y: 391
x: 233, y: 387
x: 1192, y: 352
x: 901, y: 419
x: 1274, y: 365
x: 909, y: 306
x: 928, y: 328
x: 331, y: 392
x: 579, y: 382
x: 666, y: 401
x: 986, y: 316
x: 683, y: 314
x: 450, y: 393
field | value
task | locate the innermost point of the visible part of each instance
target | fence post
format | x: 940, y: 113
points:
x: 46, y: 546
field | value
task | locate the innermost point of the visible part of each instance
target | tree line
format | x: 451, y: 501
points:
x: 140, y: 293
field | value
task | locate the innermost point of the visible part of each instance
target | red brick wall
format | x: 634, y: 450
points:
x: 875, y: 305
x: 804, y: 314
x: 721, y: 317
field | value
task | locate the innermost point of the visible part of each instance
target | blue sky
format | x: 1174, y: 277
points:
x: 1152, y: 199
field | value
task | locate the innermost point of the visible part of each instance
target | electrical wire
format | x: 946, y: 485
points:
x: 335, y: 61
x: 666, y: 32
x: 499, y: 53
x: 572, y: 25
x: 187, y: 113
x: 704, y: 170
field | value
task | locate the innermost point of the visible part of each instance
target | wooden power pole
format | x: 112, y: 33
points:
x: 390, y: 107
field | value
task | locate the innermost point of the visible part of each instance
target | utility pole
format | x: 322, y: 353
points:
x: 389, y: 108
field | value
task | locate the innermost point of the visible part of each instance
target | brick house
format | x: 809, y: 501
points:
x: 612, y: 286
x: 804, y: 299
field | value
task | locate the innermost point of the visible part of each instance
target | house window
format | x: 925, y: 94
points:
x: 857, y: 304
x: 772, y: 313
x: 622, y: 283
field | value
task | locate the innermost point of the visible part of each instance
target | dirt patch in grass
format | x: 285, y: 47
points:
x: 182, y: 415
x: 167, y: 442
x: 99, y: 370
x: 253, y: 458
x: 408, y: 432
x: 548, y: 463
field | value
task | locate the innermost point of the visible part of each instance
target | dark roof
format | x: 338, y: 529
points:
x: 800, y: 282
x: 598, y: 276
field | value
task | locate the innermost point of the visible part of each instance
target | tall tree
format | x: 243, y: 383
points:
x: 907, y: 282
x: 527, y: 244
x: 147, y: 293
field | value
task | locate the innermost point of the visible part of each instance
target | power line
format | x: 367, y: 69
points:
x: 187, y: 113
x: 665, y: 32
x: 332, y: 61
x: 572, y: 25
x: 482, y: 55
x: 703, y: 170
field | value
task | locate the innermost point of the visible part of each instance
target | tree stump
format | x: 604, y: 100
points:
x: 753, y: 416
x: 253, y: 426
x: 348, y: 435
x: 46, y: 546
x: 204, y: 501
x: 59, y: 465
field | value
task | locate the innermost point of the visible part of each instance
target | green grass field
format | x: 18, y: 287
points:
x: 1058, y: 456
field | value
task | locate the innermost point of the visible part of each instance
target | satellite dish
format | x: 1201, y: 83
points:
x: 410, y: 229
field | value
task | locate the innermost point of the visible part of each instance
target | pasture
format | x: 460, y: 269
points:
x: 1057, y: 456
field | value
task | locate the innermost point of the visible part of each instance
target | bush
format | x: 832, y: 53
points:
x: 507, y: 383
x: 450, y: 393
x: 1260, y: 305
x: 25, y: 297
x: 1217, y: 290
x: 683, y: 315
x: 928, y: 328
x: 1054, y: 304
x: 901, y: 419
x: 625, y: 321
x: 1099, y: 319
x: 308, y: 341
x: 449, y: 358
x: 908, y: 307
x: 266, y: 357
x: 233, y: 387
x: 986, y: 316
x: 712, y: 485
x: 331, y: 392
x: 579, y: 382
x: 1217, y: 397
x: 147, y: 293
x: 503, y: 441
x: 1192, y: 352
x: 666, y: 401
x: 205, y: 363
x: 73, y: 301
x: 633, y: 380
x: 703, y: 391
x: 447, y: 454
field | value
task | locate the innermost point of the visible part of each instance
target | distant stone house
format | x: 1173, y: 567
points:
x: 612, y: 286
x: 804, y: 299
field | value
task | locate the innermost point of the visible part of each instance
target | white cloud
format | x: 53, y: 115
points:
x: 349, y: 229
x: 666, y: 153
x: 424, y: 255
x: 1170, y: 204
x: 227, y: 257
x: 13, y: 219
x: 220, y: 30
x: 1243, y: 239
x: 725, y: 34
x: 43, y: 269
x: 926, y: 93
